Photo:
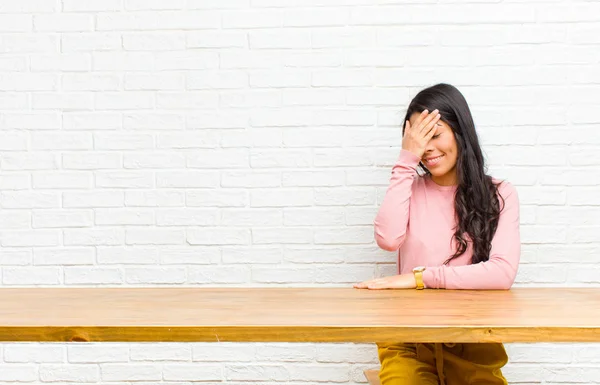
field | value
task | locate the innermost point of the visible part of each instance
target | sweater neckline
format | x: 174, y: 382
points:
x: 430, y: 183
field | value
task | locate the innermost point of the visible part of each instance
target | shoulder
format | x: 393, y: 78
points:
x: 504, y: 186
x: 507, y: 191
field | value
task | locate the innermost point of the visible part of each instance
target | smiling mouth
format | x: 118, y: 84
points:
x: 433, y: 161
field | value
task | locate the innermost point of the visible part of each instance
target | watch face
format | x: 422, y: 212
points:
x: 418, y: 268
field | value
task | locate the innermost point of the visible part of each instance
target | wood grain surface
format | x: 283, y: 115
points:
x: 299, y: 315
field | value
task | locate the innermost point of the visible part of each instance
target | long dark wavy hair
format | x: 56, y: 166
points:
x: 476, y: 203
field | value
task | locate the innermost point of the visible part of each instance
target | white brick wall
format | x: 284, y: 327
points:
x: 249, y: 142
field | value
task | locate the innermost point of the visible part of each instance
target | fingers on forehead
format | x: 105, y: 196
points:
x: 415, y: 117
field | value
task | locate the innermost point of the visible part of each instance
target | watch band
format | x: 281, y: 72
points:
x: 419, y: 280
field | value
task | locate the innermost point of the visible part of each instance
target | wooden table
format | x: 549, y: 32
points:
x: 299, y: 315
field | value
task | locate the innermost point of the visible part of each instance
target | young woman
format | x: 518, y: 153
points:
x: 454, y: 227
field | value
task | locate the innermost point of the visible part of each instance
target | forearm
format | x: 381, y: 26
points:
x: 392, y: 218
x: 495, y: 274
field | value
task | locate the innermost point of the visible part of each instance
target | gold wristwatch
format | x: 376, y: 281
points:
x: 418, y: 272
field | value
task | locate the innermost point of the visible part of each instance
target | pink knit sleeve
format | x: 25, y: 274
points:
x: 500, y: 270
x: 392, y: 218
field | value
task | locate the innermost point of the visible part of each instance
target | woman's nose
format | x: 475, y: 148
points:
x: 429, y: 147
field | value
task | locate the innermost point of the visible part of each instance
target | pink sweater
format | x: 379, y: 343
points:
x: 416, y: 217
